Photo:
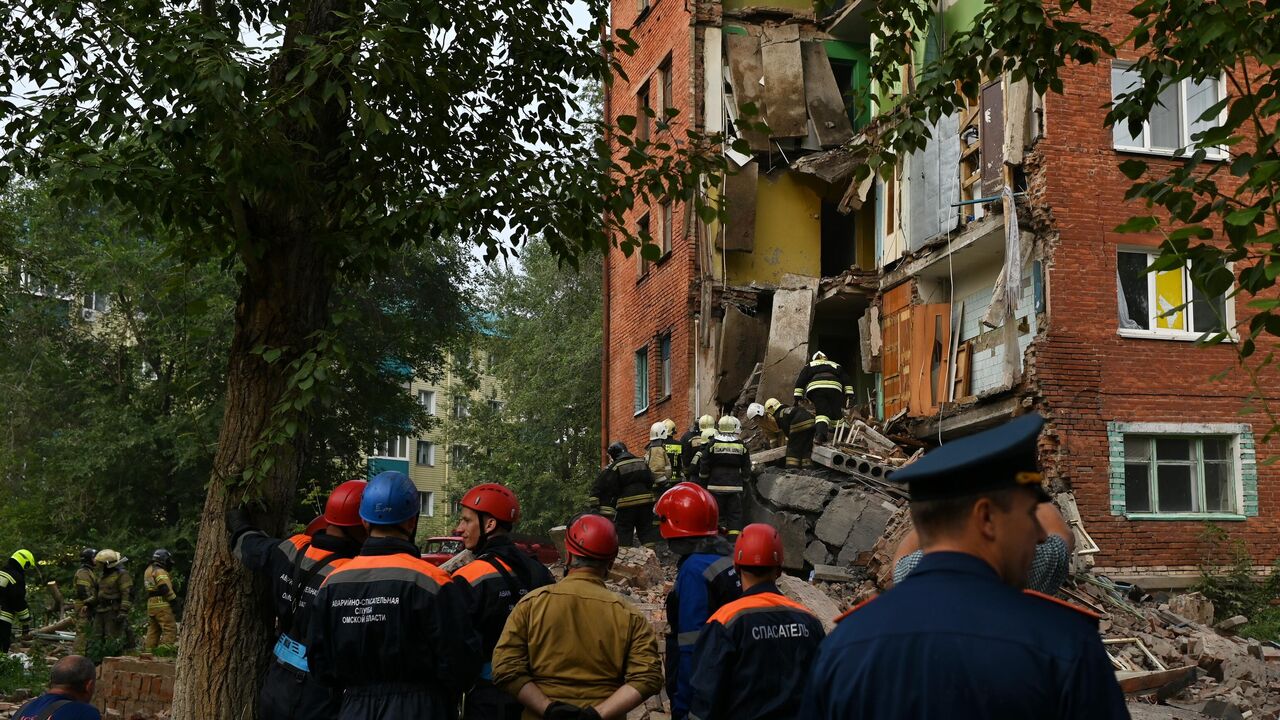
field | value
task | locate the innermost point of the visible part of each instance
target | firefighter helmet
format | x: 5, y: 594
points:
x: 87, y: 555
x: 706, y: 422
x: 162, y: 557
x: 755, y: 410
x: 687, y: 510
x: 592, y: 536
x: 759, y: 545
x: 25, y: 559
x: 495, y: 500
x: 658, y: 431
x: 108, y: 558
x: 729, y: 425
x: 670, y: 425
x: 616, y: 448
x: 772, y: 406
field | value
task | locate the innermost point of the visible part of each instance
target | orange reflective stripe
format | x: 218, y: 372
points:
x: 399, y: 560
x: 855, y: 608
x: 476, y: 569
x: 1082, y: 610
x: 751, y: 602
x: 299, y: 540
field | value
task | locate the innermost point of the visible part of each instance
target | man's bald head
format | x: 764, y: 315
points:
x: 73, y: 675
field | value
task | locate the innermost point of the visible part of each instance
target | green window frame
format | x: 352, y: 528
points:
x: 642, y: 380
x: 1183, y: 471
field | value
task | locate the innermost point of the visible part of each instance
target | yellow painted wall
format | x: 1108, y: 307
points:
x: 788, y: 234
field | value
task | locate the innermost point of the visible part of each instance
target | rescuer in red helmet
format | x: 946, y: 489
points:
x: 330, y: 540
x: 753, y: 657
x: 576, y: 649
x: 705, y: 580
x: 500, y: 575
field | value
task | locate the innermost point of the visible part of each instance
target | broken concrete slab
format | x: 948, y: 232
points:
x: 832, y: 573
x: 784, y: 81
x: 740, y: 189
x: 793, y: 491
x: 867, y: 530
x: 793, y: 528
x: 823, y: 97
x: 768, y: 456
x: 840, y: 516
x: 1232, y: 623
x: 1193, y: 606
x: 746, y: 74
x: 788, y: 345
x: 741, y: 347
x: 817, y: 555
x: 823, y: 607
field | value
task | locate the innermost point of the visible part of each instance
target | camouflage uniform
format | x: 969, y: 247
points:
x: 162, y: 629
x: 115, y: 590
x: 85, y: 596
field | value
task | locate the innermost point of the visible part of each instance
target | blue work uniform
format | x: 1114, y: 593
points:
x: 954, y: 641
x: 705, y: 581
x: 753, y: 657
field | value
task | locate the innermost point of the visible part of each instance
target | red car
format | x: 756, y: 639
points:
x: 438, y: 550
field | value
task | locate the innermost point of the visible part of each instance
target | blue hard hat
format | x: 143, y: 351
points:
x: 389, y: 499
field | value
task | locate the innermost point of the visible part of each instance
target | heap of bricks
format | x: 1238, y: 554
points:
x: 134, y: 688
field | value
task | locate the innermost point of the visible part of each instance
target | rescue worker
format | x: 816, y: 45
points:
x: 84, y: 594
x: 724, y: 467
x: 765, y: 424
x: 500, y: 575
x: 656, y: 456
x: 978, y: 646
x: 624, y: 493
x: 388, y: 628
x: 691, y: 442
x: 162, y: 628
x: 290, y: 690
x: 828, y: 387
x: 13, y: 596
x: 754, y: 655
x: 71, y: 683
x: 1049, y: 568
x: 115, y: 598
x: 575, y: 649
x: 797, y: 424
x: 675, y: 450
x: 705, y: 580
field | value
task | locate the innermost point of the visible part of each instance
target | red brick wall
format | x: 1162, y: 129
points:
x: 1091, y: 376
x: 134, y: 687
x: 640, y: 308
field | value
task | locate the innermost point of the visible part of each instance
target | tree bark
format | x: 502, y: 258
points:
x: 226, y: 631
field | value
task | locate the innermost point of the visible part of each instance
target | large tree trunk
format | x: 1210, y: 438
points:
x: 226, y: 632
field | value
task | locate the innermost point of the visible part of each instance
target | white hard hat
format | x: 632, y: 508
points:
x: 819, y: 355
x: 658, y: 431
x: 755, y: 410
x: 729, y: 425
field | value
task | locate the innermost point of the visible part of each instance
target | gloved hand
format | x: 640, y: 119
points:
x: 237, y: 520
x: 562, y: 711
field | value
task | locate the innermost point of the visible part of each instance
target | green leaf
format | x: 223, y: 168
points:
x: 626, y: 123
x: 270, y: 356
x: 1138, y: 224
x: 1133, y: 169
x: 1243, y: 216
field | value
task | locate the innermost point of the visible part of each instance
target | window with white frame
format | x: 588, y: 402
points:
x: 458, y: 456
x: 395, y: 447
x: 642, y: 379
x: 1180, y: 474
x: 643, y: 232
x: 664, y: 241
x: 461, y: 407
x: 97, y: 302
x: 1165, y: 302
x: 1173, y: 120
x: 427, y: 503
x: 426, y: 453
x: 427, y: 399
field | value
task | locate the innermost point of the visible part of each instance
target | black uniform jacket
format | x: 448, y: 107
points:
x: 494, y: 582
x: 753, y: 657
x: 390, y: 622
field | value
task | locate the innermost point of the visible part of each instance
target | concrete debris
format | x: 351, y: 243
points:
x: 832, y: 573
x: 800, y: 492
x: 811, y: 597
x: 1195, y: 607
x: 636, y: 567
x: 1232, y: 623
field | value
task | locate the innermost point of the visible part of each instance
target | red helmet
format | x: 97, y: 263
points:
x: 317, y: 526
x: 493, y: 499
x: 343, y: 506
x: 687, y: 510
x: 759, y: 545
x: 592, y: 536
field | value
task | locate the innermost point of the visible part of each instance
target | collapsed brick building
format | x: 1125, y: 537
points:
x: 980, y: 279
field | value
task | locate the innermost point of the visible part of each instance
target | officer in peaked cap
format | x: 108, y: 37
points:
x: 959, y: 638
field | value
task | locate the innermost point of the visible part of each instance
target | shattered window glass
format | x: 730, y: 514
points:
x: 1131, y: 269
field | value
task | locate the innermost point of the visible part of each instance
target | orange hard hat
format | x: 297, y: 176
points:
x: 592, y: 536
x: 759, y: 545
x: 493, y: 499
x: 687, y: 510
x: 343, y: 507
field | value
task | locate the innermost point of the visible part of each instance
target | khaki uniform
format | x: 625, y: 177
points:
x: 579, y: 642
x: 162, y: 628
x: 84, y: 597
x: 111, y: 617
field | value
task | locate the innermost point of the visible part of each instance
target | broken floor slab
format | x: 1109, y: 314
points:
x: 788, y: 336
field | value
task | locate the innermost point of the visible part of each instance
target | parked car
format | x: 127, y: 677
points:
x: 438, y: 550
